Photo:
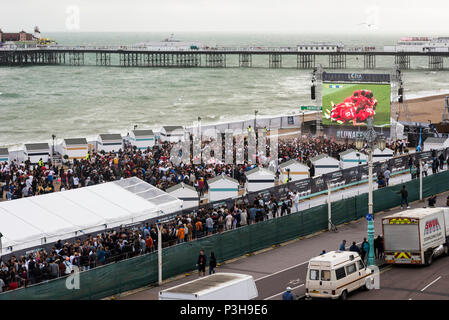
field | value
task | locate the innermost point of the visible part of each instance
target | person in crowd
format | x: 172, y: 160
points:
x: 425, y: 167
x: 201, y: 263
x: 354, y: 248
x: 342, y: 246
x: 288, y: 295
x: 363, y: 248
x: 404, y: 197
x: 387, y: 174
x: 432, y: 201
x: 212, y: 263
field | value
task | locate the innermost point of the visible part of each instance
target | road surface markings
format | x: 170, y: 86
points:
x: 286, y: 269
x: 283, y: 292
x: 292, y: 267
x: 431, y: 283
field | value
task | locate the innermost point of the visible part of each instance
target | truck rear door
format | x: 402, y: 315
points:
x: 401, y: 241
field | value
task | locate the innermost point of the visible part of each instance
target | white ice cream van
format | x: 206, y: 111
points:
x: 335, y: 274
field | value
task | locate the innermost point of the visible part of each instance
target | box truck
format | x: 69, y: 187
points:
x: 218, y: 286
x: 416, y: 236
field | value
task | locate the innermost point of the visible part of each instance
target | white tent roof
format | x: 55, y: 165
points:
x: 38, y: 220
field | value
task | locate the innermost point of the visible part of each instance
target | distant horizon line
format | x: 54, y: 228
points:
x: 367, y: 34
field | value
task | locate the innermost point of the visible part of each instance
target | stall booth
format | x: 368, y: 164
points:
x: 433, y: 143
x: 75, y: 148
x: 222, y: 187
x: 259, y: 179
x: 295, y: 170
x: 352, y: 158
x: 172, y: 134
x: 186, y: 193
x: 323, y: 164
x: 36, y: 151
x: 142, y: 139
x: 4, y: 155
x: 379, y: 155
x: 110, y: 142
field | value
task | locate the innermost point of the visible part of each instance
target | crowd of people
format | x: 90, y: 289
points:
x: 364, y: 248
x: 154, y: 165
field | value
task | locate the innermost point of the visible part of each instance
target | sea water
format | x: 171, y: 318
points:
x: 70, y: 102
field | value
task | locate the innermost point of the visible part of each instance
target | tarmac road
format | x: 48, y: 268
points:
x: 411, y: 283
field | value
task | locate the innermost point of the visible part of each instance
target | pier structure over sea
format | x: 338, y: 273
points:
x: 274, y: 57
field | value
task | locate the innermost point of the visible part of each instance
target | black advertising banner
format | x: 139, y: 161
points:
x: 335, y: 179
x: 281, y: 191
x: 351, y: 175
x: 356, y: 77
x: 425, y: 156
x: 350, y: 132
x: 400, y: 163
x: 266, y: 194
x: 302, y: 186
x: 318, y: 184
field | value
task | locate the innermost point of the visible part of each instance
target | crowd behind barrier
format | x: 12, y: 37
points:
x: 155, y: 167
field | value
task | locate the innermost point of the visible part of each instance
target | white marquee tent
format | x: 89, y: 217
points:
x: 38, y: 220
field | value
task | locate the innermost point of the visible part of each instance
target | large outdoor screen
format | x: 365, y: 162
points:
x: 351, y: 104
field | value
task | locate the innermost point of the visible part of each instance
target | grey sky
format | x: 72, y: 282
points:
x: 408, y: 17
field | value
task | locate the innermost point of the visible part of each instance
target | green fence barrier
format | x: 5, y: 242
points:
x: 141, y: 271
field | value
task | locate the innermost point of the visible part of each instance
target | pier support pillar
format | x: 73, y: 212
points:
x: 337, y: 61
x: 103, y: 59
x: 187, y: 60
x: 245, y: 60
x: 369, y: 61
x: 435, y: 62
x: 76, y: 58
x: 403, y: 61
x: 215, y: 60
x: 275, y: 61
x: 305, y: 61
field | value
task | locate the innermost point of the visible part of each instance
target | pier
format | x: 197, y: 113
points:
x: 211, y: 58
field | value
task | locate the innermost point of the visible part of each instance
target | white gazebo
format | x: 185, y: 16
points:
x: 323, y: 164
x: 295, y: 169
x: 172, y: 133
x: 222, y: 187
x: 186, y: 193
x: 142, y: 139
x: 75, y: 148
x: 37, y: 151
x: 379, y: 155
x: 110, y: 142
x: 352, y: 158
x: 434, y: 143
x: 259, y: 179
x: 4, y: 155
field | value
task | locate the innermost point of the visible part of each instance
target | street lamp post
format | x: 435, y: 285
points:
x: 255, y: 119
x: 159, y: 252
x: 372, y: 139
x: 200, y: 132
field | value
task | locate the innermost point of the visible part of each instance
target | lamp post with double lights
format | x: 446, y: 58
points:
x: 371, y: 139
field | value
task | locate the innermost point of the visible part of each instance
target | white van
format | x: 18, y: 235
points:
x: 335, y: 274
x: 218, y: 286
